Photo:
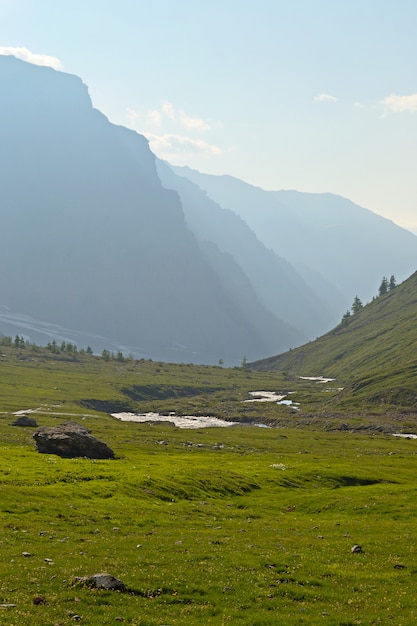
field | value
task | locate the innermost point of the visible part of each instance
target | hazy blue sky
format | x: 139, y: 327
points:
x: 313, y: 95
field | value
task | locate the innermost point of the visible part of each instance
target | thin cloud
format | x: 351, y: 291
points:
x: 167, y: 112
x: 132, y: 116
x: 31, y: 57
x: 172, y: 133
x: 154, y: 118
x: 193, y: 123
x: 400, y: 104
x: 172, y: 145
x: 325, y: 97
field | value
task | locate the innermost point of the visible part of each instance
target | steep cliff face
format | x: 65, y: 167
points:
x: 93, y: 242
x: 276, y: 283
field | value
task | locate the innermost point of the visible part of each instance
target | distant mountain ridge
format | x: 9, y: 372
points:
x: 104, y: 241
x: 338, y: 247
x: 96, y: 245
x: 274, y: 280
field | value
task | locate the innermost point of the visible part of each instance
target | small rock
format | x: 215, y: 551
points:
x: 100, y: 581
x: 39, y: 600
x: 26, y: 554
x: 24, y: 420
x: 400, y: 566
x: 356, y: 549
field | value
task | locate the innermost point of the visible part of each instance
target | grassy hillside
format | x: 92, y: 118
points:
x: 239, y: 525
x: 373, y: 355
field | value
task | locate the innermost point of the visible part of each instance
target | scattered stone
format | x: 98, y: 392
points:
x: 100, y: 581
x: 400, y: 566
x: 7, y: 606
x: 71, y: 440
x: 25, y: 420
x: 39, y: 600
x: 356, y: 549
x: 26, y: 554
x: 50, y: 561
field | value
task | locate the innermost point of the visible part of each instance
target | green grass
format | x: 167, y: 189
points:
x: 258, y: 531
x: 239, y: 525
x: 373, y: 355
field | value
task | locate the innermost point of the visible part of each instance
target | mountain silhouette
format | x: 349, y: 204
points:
x: 95, y: 244
x: 277, y: 284
x: 339, y: 248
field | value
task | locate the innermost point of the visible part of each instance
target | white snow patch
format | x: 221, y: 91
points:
x: 265, y: 396
x: 318, y: 379
x: 290, y: 403
x: 182, y: 421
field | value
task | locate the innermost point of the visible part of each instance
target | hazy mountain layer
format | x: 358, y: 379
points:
x: 93, y: 242
x: 340, y: 248
x: 275, y: 282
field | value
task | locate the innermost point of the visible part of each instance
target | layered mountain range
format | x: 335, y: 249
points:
x: 339, y: 248
x: 93, y: 243
x: 106, y: 245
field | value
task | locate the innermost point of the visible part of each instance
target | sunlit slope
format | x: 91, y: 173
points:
x: 373, y: 355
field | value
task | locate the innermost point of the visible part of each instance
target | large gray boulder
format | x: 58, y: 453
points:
x: 71, y: 440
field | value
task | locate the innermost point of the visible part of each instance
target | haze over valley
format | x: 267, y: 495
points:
x: 109, y: 245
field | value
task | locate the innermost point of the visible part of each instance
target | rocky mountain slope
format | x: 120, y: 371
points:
x: 94, y: 243
x: 276, y: 283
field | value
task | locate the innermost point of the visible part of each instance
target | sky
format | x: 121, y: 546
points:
x: 312, y: 95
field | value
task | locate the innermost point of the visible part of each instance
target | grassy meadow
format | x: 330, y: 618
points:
x: 240, y: 525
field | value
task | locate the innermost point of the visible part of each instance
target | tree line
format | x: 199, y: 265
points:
x: 385, y: 286
x: 65, y: 347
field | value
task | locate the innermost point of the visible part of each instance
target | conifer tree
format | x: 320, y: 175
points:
x: 357, y: 305
x: 383, y: 287
x: 392, y: 283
